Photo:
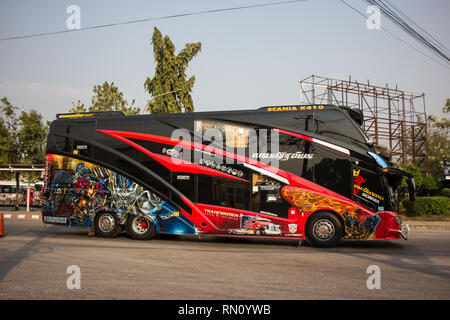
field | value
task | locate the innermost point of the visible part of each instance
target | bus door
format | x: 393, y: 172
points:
x: 266, y: 199
x: 368, y: 191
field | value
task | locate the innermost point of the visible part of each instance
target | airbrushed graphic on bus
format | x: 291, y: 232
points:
x: 79, y: 190
x: 361, y: 227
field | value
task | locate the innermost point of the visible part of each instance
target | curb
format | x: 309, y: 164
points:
x: 429, y: 227
x: 21, y: 216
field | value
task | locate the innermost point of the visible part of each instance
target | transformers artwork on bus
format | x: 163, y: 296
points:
x: 307, y: 201
x: 253, y: 225
x: 79, y: 190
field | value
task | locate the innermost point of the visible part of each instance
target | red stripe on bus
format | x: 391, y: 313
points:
x: 174, y: 164
x: 294, y: 180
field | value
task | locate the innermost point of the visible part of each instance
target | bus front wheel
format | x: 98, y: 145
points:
x: 324, y: 229
x: 140, y: 228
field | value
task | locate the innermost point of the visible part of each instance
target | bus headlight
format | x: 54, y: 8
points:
x: 398, y: 220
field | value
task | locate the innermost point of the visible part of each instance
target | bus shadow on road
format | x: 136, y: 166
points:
x: 229, y: 239
x: 225, y: 239
x: 405, y: 256
x: 364, y: 244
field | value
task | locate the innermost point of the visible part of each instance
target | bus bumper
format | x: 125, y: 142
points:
x: 394, y: 226
x: 405, y: 232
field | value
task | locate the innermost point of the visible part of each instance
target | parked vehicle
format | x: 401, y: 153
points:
x: 8, y: 193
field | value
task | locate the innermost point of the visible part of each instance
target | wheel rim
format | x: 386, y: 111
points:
x: 324, y: 229
x: 107, y: 223
x: 140, y: 225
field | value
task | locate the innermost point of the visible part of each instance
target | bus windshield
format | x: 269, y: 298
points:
x: 336, y: 124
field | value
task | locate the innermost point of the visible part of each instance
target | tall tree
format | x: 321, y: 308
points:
x: 439, y: 141
x: 107, y: 97
x: 22, y: 138
x: 33, y: 133
x: 10, y: 142
x: 169, y: 87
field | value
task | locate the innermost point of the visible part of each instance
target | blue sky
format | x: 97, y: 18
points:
x: 249, y: 58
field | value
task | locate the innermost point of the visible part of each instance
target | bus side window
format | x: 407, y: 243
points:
x: 223, y: 192
x: 332, y: 171
x: 300, y: 156
x: 234, y: 135
x: 81, y: 129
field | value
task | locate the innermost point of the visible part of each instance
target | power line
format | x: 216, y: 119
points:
x: 395, y: 36
x: 419, y: 36
x: 437, y: 43
x: 151, y: 19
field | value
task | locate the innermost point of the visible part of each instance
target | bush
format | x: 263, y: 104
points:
x: 429, y: 185
x: 446, y: 192
x: 427, y: 206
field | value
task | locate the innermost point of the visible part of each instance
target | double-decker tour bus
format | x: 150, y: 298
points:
x: 292, y: 172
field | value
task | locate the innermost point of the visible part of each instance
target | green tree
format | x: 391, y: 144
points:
x: 10, y: 143
x: 169, y: 87
x: 429, y: 185
x: 33, y: 134
x: 439, y: 141
x: 107, y: 97
x: 22, y: 138
x: 416, y: 174
x: 78, y: 107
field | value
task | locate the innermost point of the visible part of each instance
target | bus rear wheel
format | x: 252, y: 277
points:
x: 106, y: 226
x: 324, y: 230
x: 140, y: 228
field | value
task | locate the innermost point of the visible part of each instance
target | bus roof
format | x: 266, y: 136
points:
x: 356, y: 114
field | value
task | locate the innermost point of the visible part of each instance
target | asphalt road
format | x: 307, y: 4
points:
x: 33, y: 265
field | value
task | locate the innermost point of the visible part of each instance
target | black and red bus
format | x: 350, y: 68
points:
x: 292, y: 172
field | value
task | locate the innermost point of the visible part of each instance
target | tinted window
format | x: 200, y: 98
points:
x: 185, y: 183
x: 299, y: 154
x: 223, y: 192
x: 232, y: 135
x: 336, y: 124
x: 332, y: 171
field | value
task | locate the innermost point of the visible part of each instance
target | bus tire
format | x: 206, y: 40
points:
x: 324, y: 229
x: 140, y: 228
x: 105, y: 225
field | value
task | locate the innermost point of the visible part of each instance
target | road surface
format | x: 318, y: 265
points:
x: 34, y: 263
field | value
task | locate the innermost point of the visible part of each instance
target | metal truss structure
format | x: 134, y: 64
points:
x: 392, y: 117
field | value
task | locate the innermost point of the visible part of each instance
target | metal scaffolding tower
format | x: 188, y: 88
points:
x: 392, y: 117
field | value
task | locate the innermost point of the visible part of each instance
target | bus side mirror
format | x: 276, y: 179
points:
x: 411, y: 189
